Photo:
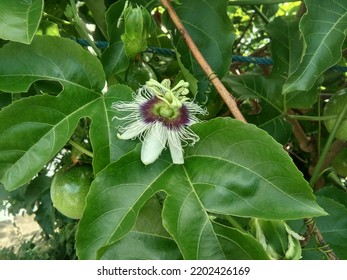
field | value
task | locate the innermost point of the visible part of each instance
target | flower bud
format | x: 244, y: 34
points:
x: 278, y: 239
x: 137, y: 26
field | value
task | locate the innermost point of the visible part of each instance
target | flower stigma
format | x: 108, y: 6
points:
x: 159, y: 116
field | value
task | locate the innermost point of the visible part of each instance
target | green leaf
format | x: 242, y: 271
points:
x: 20, y: 19
x: 107, y: 147
x: 238, y: 245
x: 324, y: 31
x: 114, y: 59
x: 334, y: 227
x: 267, y: 92
x: 97, y: 8
x: 147, y: 240
x: 3, y: 196
x: 36, y: 190
x: 334, y: 193
x: 46, y: 59
x: 47, y: 122
x: 235, y: 169
x: 286, y: 44
x: 5, y: 99
x: 244, y: 151
x: 45, y: 214
x: 115, y: 199
x: 143, y: 246
x: 149, y: 218
x: 115, y: 25
x: 210, y: 28
x: 286, y: 51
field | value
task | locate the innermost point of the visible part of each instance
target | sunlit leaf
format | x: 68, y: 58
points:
x: 19, y: 20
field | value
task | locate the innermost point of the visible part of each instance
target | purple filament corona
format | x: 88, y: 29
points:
x: 149, y: 115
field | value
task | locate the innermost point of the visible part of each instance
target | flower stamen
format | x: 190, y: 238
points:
x: 159, y: 116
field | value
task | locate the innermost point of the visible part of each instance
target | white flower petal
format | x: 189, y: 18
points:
x: 132, y: 130
x: 175, y: 146
x: 153, y: 144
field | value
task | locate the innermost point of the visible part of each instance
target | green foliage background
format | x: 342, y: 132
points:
x: 56, y: 97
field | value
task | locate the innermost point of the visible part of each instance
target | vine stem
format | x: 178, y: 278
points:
x: 46, y: 15
x: 80, y: 148
x: 81, y: 28
x: 304, y: 141
x: 327, y: 146
x: 311, y: 227
x: 211, y: 75
x: 233, y: 222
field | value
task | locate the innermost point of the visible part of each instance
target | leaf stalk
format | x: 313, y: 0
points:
x: 81, y: 28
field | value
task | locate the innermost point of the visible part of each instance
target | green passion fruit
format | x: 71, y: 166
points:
x: 69, y: 189
x: 334, y: 108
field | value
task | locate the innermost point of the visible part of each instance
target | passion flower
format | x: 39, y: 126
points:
x: 160, y: 115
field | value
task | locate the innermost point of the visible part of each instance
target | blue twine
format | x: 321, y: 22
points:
x: 251, y: 59
x: 235, y: 58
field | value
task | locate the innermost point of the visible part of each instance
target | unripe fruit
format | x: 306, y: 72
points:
x: 69, y: 189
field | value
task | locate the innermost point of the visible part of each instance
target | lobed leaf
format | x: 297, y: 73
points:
x: 33, y: 130
x: 49, y: 58
x: 212, y: 180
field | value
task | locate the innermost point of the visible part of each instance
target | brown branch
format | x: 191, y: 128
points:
x: 305, y: 143
x: 211, y: 75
